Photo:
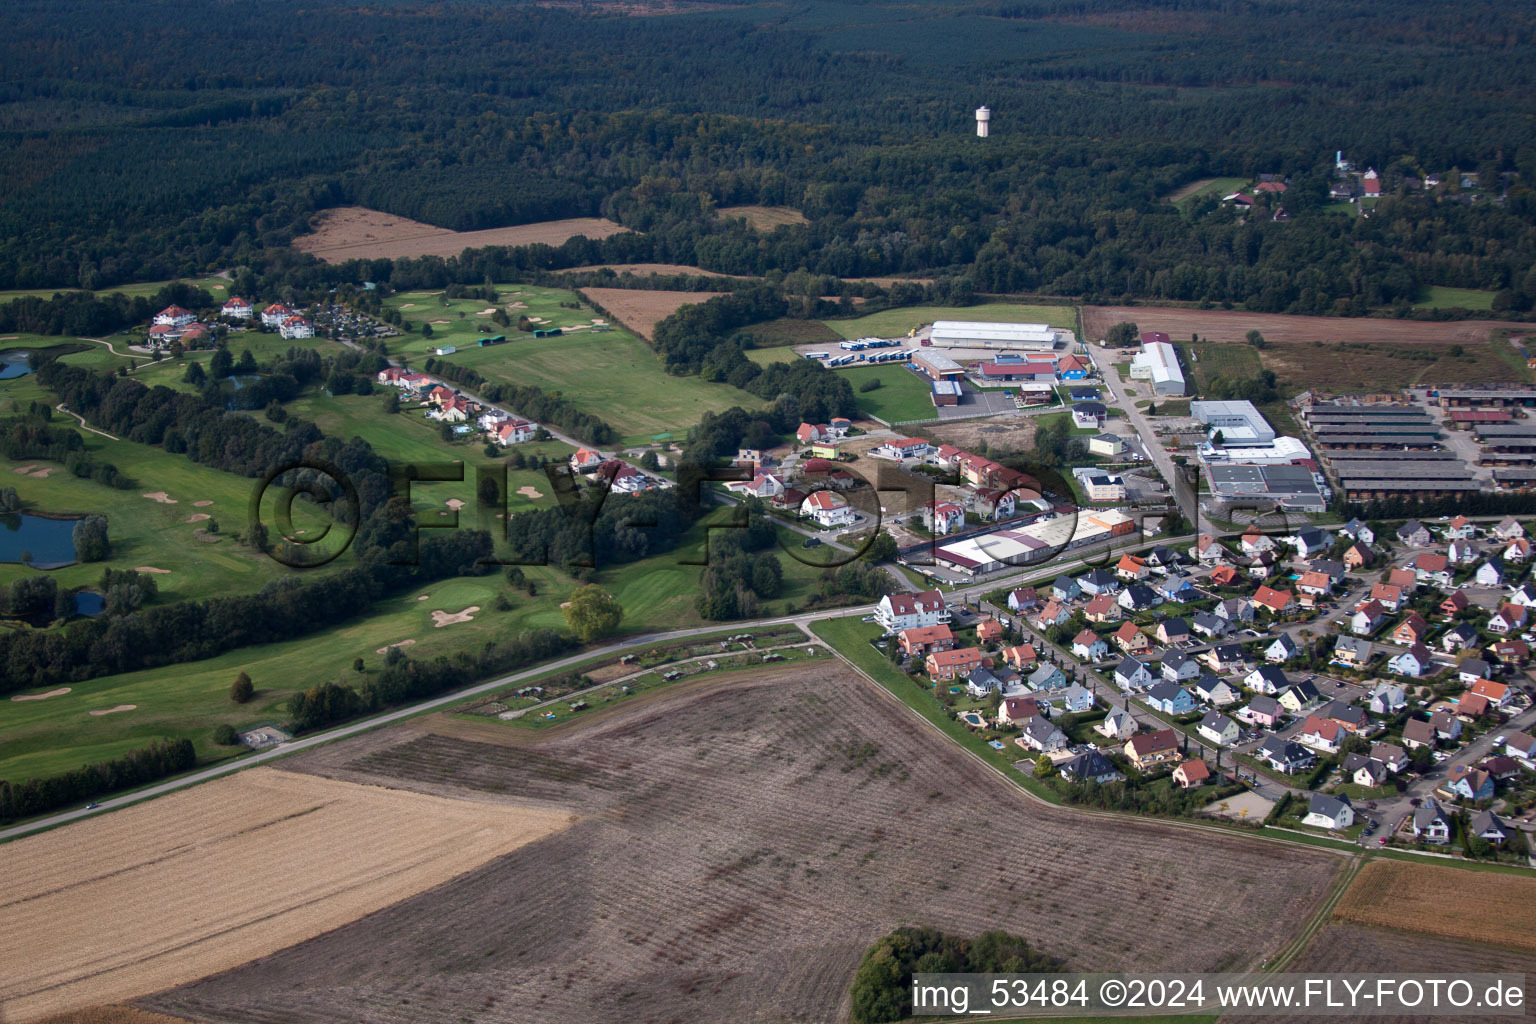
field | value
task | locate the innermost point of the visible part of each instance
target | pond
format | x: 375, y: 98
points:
x: 14, y: 364
x: 89, y: 604
x: 49, y: 542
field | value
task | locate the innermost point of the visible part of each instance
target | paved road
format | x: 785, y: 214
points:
x: 1138, y: 420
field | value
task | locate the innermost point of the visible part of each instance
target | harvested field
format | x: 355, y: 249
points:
x: 214, y: 876
x: 358, y: 233
x: 1439, y: 900
x: 642, y: 310
x: 112, y: 1015
x: 1343, y: 947
x: 1233, y: 325
x: 739, y: 846
x: 764, y: 218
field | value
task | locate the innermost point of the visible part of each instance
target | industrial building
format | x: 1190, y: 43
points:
x: 1387, y: 449
x: 1337, y: 425
x: 1364, y: 479
x: 991, y: 552
x: 1282, y: 451
x: 1293, y: 488
x: 937, y: 365
x: 1002, y: 337
x: 1158, y: 362
x: 1239, y: 422
x: 946, y: 392
x: 1486, y: 397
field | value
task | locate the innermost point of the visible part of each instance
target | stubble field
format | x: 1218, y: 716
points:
x: 358, y: 233
x: 640, y: 309
x: 1440, y: 901
x: 737, y: 850
x: 212, y: 877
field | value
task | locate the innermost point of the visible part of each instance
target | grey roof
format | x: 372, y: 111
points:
x: 1041, y: 728
x: 1410, y: 528
x: 1485, y: 821
x: 1427, y: 814
x: 1286, y: 641
x: 1089, y: 765
x: 1166, y: 691
x: 1129, y: 667
x: 1210, y: 621
x: 1281, y: 750
x: 1305, y: 690
x: 1140, y: 594
x: 1175, y: 659
x: 1359, y: 645
x: 1274, y: 676
x: 1265, y: 705
x: 1328, y: 806
x: 1329, y: 566
x: 1216, y: 720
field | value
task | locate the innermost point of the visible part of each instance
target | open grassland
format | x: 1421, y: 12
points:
x: 1217, y: 187
x: 1354, y: 367
x: 892, y: 323
x: 641, y: 309
x: 764, y: 218
x: 216, y: 876
x: 217, y: 287
x: 789, y: 331
x: 612, y: 374
x: 738, y: 848
x: 1227, y: 325
x: 1234, y: 362
x: 1342, y: 946
x: 902, y: 395
x: 1444, y: 901
x: 358, y: 233
x: 1440, y: 297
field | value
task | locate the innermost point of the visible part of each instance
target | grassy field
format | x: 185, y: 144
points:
x: 1234, y: 362
x: 218, y: 287
x: 611, y: 374
x: 901, y: 395
x: 788, y: 331
x: 890, y: 323
x: 1207, y: 186
x: 1438, y: 297
x: 764, y: 218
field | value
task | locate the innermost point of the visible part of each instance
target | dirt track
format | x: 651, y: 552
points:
x: 358, y: 233
x: 740, y: 845
x: 1233, y: 325
x: 206, y: 879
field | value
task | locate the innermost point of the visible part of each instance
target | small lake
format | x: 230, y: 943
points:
x: 51, y: 542
x: 89, y: 604
x: 14, y: 364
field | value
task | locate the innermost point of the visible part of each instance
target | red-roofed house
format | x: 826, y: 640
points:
x: 829, y: 509
x: 903, y: 611
x: 175, y: 316
x: 1131, y: 639
x: 237, y: 309
x: 921, y: 641
x: 806, y: 433
x: 1370, y: 182
x: 1321, y: 734
x: 943, y: 517
x: 275, y: 314
x: 514, y: 432
x: 1274, y: 601
x: 1191, y: 774
x: 296, y: 327
x: 946, y: 665
x: 1020, y: 657
x: 1510, y: 619
x: 1412, y: 630
x: 585, y: 460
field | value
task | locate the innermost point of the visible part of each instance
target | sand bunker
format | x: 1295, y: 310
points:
x: 518, y: 305
x: 537, y: 320
x: 441, y: 618
x: 61, y: 691
x: 487, y: 311
x: 23, y: 470
x: 454, y: 503
x: 39, y: 474
x: 112, y: 711
x: 529, y: 491
x: 198, y: 517
x: 161, y: 497
x: 202, y: 504
x: 148, y: 568
x: 397, y: 643
x: 407, y: 305
x: 436, y: 322
x: 423, y: 597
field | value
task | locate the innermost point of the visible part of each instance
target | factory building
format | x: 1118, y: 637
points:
x: 969, y: 334
x: 1292, y: 488
x: 937, y: 365
x: 991, y: 552
x: 1239, y: 422
x: 1158, y: 362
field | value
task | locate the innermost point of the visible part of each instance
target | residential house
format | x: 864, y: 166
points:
x: 1055, y: 613
x: 1179, y: 666
x: 1282, y: 650
x: 1418, y: 733
x: 1511, y: 618
x: 1352, y: 652
x: 1388, y: 596
x: 1089, y: 646
x: 585, y: 460
x: 295, y: 327
x: 1210, y: 626
x: 1099, y: 581
x: 1041, y: 735
x: 1170, y: 698
x: 1119, y: 724
x: 1138, y: 597
x: 1131, y: 640
x: 508, y: 432
x: 952, y: 664
x: 1235, y: 609
x: 1405, y: 578
x: 1460, y: 528
x: 1359, y: 532
x: 921, y: 641
x: 1174, y: 588
x: 1430, y: 823
x: 1321, y: 734
x: 1488, y: 575
x: 1074, y: 700
x: 451, y: 410
x: 1171, y: 632
x: 1511, y: 653
x: 1065, y: 588
x: 1387, y: 699
x: 1337, y: 572
x: 989, y: 631
x: 1414, y: 534
x: 1331, y: 812
x: 1263, y: 711
x: 1254, y: 541
x: 829, y: 509
x: 1519, y: 550
x: 1454, y: 604
x: 272, y: 316
x: 1090, y: 766
x: 1266, y: 679
x: 1470, y: 707
x: 896, y: 612
x: 1521, y: 745
x: 1225, y: 659
x: 1469, y: 784
x: 941, y: 517
x: 1314, y: 584
x: 1357, y: 557
x: 808, y: 433
x: 1447, y: 727
x: 1391, y: 755
x: 1470, y: 670
x: 1524, y: 595
x: 1276, y: 602
x: 1496, y: 694
x: 1367, y: 618
x: 1046, y: 677
x: 1132, y: 674
x: 237, y: 308
x: 1310, y: 542
x: 1458, y: 638
x: 1102, y: 608
x: 1023, y: 599
x: 839, y: 426
x: 1149, y: 749
x: 1017, y: 711
x: 1285, y: 756
x: 1191, y: 774
x: 1509, y: 528
x: 1299, y: 696
x: 1021, y: 657
x: 175, y: 316
x: 1462, y: 552
x: 982, y: 682
x: 1218, y: 729
x: 1431, y: 568
x: 1224, y: 576
x: 622, y: 477
x: 1488, y: 827
x: 1215, y: 690
x: 1353, y: 719
x: 1132, y: 568
x: 1208, y: 550
x: 1412, y: 630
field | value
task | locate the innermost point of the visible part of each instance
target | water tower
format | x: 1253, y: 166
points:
x: 983, y: 120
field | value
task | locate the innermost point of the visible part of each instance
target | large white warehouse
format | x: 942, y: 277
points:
x: 973, y: 334
x: 1158, y: 362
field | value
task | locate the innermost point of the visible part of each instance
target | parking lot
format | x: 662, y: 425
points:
x: 977, y: 403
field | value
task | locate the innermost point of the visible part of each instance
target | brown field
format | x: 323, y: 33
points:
x: 112, y: 1015
x: 641, y: 310
x: 1445, y: 901
x: 358, y: 233
x: 1352, y: 948
x: 1233, y: 325
x: 765, y: 218
x: 203, y: 880
x: 738, y: 847
x: 1003, y: 435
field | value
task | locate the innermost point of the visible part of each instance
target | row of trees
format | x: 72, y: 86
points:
x: 150, y: 763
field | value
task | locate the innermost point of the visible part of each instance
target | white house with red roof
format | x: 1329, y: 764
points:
x: 175, y: 316
x: 622, y: 477
x: 193, y: 334
x: 943, y: 517
x: 585, y: 460
x: 896, y: 612
x: 765, y: 486
x: 275, y: 314
x: 829, y: 509
x: 452, y: 410
x: 903, y: 448
x: 511, y: 431
x: 237, y: 308
x: 163, y: 334
x: 296, y: 327
x: 1370, y: 182
x: 806, y: 433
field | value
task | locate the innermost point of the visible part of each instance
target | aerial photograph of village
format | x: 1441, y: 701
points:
x: 767, y: 511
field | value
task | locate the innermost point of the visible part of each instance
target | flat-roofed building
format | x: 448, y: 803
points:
x: 1000, y: 336
x: 1158, y: 362
x: 937, y: 365
x: 946, y: 392
x: 1239, y: 422
x: 1289, y: 487
x: 990, y: 552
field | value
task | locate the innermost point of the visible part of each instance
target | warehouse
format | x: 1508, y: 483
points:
x: 1241, y: 424
x: 1288, y: 487
x: 1364, y: 479
x: 946, y: 392
x: 1036, y: 542
x: 1158, y: 362
x: 1283, y: 451
x: 937, y: 365
x: 1488, y: 397
x: 1514, y: 479
x: 1000, y: 337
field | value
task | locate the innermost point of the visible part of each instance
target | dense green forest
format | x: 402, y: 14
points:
x: 149, y: 139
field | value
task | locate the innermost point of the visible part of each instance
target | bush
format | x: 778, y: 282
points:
x: 225, y: 735
x: 241, y: 690
x: 873, y: 384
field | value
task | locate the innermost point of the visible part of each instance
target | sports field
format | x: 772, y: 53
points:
x: 902, y: 395
x: 890, y: 323
x: 213, y: 877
